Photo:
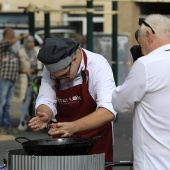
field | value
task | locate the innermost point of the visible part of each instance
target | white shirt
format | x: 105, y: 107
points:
x: 101, y: 83
x: 146, y: 90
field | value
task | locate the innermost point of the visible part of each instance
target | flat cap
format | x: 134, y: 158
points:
x: 57, y: 53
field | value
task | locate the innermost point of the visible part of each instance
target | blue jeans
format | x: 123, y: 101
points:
x: 6, y: 91
x: 26, y: 104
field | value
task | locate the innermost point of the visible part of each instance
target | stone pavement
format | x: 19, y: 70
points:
x: 122, y: 130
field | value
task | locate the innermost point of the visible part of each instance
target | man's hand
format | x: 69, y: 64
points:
x: 40, y: 121
x: 65, y: 129
x: 25, y: 35
x: 29, y: 70
x: 84, y: 124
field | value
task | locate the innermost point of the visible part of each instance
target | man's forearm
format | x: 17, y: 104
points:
x: 45, y: 109
x: 94, y: 120
x: 14, y: 40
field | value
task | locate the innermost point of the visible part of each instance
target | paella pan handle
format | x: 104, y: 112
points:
x: 17, y: 139
x: 95, y: 139
x: 118, y: 163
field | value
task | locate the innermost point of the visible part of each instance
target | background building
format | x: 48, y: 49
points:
x: 72, y: 13
x: 128, y: 13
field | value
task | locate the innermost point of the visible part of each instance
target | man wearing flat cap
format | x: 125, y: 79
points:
x: 76, y: 89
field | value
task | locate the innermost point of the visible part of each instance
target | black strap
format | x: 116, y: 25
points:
x: 83, y: 74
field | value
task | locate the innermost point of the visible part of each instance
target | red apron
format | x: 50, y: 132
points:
x: 76, y: 102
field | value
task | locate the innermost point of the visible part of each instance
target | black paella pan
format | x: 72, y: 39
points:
x: 58, y: 146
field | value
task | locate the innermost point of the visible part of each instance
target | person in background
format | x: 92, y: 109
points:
x: 9, y: 68
x: 76, y: 88
x: 146, y: 92
x: 29, y: 70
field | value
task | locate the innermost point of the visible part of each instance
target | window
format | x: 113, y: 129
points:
x: 79, y: 22
x: 151, y: 8
x: 13, y: 18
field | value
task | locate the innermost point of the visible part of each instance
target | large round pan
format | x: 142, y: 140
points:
x: 58, y: 146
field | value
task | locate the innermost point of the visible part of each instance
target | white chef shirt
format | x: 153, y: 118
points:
x: 146, y: 90
x: 101, y: 83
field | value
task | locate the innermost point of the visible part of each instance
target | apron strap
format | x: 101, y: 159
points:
x: 85, y: 72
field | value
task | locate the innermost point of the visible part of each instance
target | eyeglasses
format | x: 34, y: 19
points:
x: 64, y: 76
x: 136, y: 35
x: 142, y: 21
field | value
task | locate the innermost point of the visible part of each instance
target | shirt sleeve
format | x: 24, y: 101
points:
x: 47, y: 95
x: 126, y: 96
x: 4, y: 45
x: 104, y: 84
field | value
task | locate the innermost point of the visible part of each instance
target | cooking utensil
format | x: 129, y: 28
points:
x: 118, y: 163
x: 58, y: 146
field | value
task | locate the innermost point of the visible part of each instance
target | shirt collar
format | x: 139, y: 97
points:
x: 82, y: 66
x: 160, y: 49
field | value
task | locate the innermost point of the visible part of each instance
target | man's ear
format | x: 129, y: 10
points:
x: 149, y: 36
x: 74, y: 58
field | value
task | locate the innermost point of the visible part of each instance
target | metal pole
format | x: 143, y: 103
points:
x: 114, y: 46
x: 114, y: 42
x: 47, y: 25
x: 90, y: 25
x: 31, y: 23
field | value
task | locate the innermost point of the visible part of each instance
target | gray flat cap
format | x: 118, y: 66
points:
x: 57, y: 53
